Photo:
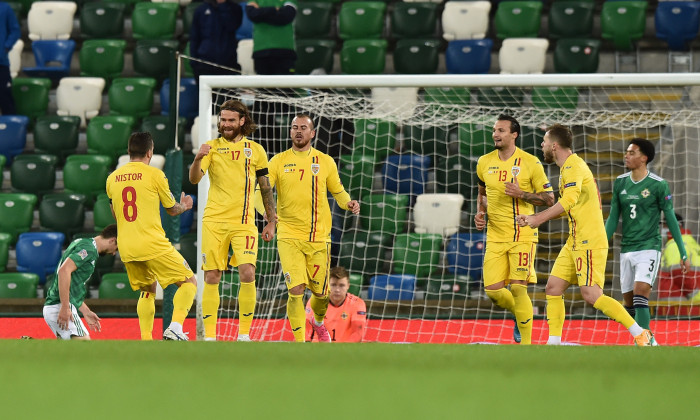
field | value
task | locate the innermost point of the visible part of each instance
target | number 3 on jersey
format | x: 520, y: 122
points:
x: 129, y: 198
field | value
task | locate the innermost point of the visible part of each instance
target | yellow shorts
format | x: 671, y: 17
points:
x: 218, y: 237
x: 585, y: 268
x: 509, y: 261
x: 166, y: 269
x: 306, y: 263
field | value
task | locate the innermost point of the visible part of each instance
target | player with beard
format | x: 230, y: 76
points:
x: 511, y: 182
x: 303, y: 177
x: 582, y: 259
x: 234, y: 164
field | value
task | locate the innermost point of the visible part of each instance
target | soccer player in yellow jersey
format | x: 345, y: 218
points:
x: 511, y: 182
x: 136, y: 191
x: 582, y: 259
x: 303, y: 177
x: 234, y: 164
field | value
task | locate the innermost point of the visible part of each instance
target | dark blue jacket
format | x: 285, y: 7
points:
x: 9, y: 32
x: 213, y: 32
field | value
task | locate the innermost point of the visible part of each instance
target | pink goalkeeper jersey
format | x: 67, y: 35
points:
x: 345, y: 323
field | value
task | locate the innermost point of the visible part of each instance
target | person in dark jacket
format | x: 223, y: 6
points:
x: 213, y: 37
x: 273, y: 35
x: 9, y: 34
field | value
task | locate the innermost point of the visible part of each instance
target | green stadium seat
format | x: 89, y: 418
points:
x: 16, y: 213
x: 56, y: 135
x: 268, y: 262
x: 101, y: 20
x: 518, y: 19
x: 314, y: 54
x: 363, y: 252
x: 356, y: 281
x: 5, y: 240
x: 102, y: 58
x: 116, y: 286
x: 413, y: 20
x: 426, y: 140
x: 416, y: 254
x: 374, y: 137
x: 357, y: 174
x: 576, y: 55
x: 132, y: 95
x: 416, y: 56
x: 361, y: 20
x: 18, y: 285
x: 31, y: 95
x: 154, y: 20
x: 448, y: 287
x: 552, y: 97
x: 363, y: 56
x: 86, y: 174
x: 474, y: 139
x: 457, y: 175
x: 384, y: 212
x: 313, y: 20
x: 102, y: 212
x: 3, y: 160
x: 501, y: 97
x: 623, y: 22
x: 162, y: 131
x: 153, y: 57
x: 447, y: 95
x: 571, y: 19
x: 108, y: 135
x: 186, y: 66
x: 33, y: 174
x: 62, y: 213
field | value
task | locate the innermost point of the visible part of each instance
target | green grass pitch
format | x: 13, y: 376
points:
x: 197, y: 380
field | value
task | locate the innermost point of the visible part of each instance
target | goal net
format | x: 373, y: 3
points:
x: 406, y: 148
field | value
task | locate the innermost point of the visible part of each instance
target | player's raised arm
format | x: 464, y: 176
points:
x: 196, y: 172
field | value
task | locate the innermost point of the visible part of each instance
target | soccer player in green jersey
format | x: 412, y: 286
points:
x: 66, y: 294
x: 639, y: 196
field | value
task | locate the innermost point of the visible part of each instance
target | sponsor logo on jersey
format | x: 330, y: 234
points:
x: 248, y: 152
x: 286, y: 165
x: 645, y: 193
x: 570, y: 184
x: 82, y: 253
x: 624, y: 192
x: 515, y: 170
x: 315, y: 167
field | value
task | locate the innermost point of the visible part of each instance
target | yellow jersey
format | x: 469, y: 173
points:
x: 233, y: 171
x: 580, y: 197
x: 493, y: 173
x: 136, y: 191
x: 303, y: 181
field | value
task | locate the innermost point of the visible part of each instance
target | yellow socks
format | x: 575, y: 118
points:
x: 614, y: 310
x: 246, y: 307
x: 522, y: 309
x: 210, y: 309
x: 502, y: 297
x: 146, y: 310
x: 182, y: 302
x: 556, y: 312
x: 319, y: 305
x: 297, y: 316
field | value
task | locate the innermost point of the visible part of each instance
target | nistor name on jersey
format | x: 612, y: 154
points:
x: 128, y: 177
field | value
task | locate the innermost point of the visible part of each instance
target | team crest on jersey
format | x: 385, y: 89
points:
x: 315, y: 167
x: 645, y: 193
x: 187, y: 266
x: 344, y: 315
x: 515, y: 170
x: 287, y: 278
x: 82, y: 253
x: 248, y: 152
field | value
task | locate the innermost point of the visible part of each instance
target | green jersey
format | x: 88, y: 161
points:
x: 83, y: 252
x: 640, y: 205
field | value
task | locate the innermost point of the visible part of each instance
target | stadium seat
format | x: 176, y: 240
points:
x: 401, y: 101
x: 102, y: 212
x: 52, y: 58
x: 623, y: 22
x: 448, y: 95
x: 56, y: 135
x: 188, y: 17
x: 392, y: 287
x: 405, y: 174
x: 109, y: 134
x: 465, y: 254
x: 361, y: 20
x: 31, y: 95
x: 39, y: 253
x: 374, y: 138
x: 465, y: 20
x: 413, y: 20
x: 5, y: 240
x: 576, y: 55
x: 245, y: 31
x: 449, y: 287
x: 363, y: 56
x: 33, y: 174
x: 518, y: 19
x: 163, y: 132
x: 132, y: 95
x: 15, y: 58
x: 355, y: 283
x: 571, y: 19
x: 363, y: 252
x: 384, y: 213
x: 457, y: 175
x: 313, y: 20
x: 245, y: 56
x: 80, y: 96
x: 102, y: 20
x: 63, y: 213
x: 416, y: 56
x: 523, y: 55
x: 426, y: 139
x: 501, y: 97
x: 86, y: 174
x: 552, y: 97
x: 16, y: 213
x: 313, y: 54
x: 157, y: 161
x: 51, y: 20
x: 116, y: 286
x: 469, y: 56
x: 153, y: 57
x: 189, y: 98
x: 102, y: 58
x: 13, y: 131
x: 357, y: 174
x: 18, y: 285
x: 417, y: 254
x: 186, y: 66
x: 474, y: 139
x: 437, y: 213
x: 154, y: 20
x: 677, y: 23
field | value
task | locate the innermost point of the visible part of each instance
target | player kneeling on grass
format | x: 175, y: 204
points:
x: 66, y: 294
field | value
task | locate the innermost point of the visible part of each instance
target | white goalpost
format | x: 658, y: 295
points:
x: 406, y: 147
